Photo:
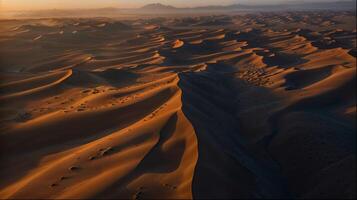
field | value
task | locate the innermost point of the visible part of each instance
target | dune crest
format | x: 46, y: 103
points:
x: 178, y: 44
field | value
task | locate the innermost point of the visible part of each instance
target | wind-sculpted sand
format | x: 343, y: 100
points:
x: 201, y: 107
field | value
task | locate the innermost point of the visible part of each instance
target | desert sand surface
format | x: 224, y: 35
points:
x: 226, y: 106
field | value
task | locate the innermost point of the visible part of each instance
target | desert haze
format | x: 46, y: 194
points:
x: 232, y: 105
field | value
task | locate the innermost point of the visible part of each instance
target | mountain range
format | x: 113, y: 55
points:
x: 157, y: 8
x: 291, y: 5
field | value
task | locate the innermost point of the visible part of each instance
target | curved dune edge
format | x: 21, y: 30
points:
x: 40, y: 88
x: 153, y: 145
x: 132, y: 111
x: 178, y: 44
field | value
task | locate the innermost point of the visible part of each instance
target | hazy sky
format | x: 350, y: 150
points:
x: 65, y: 4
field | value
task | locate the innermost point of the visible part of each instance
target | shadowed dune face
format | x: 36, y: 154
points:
x: 248, y: 106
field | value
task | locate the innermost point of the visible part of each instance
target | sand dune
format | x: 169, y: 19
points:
x: 151, y: 109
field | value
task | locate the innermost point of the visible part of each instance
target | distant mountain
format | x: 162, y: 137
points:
x: 294, y: 5
x: 157, y: 6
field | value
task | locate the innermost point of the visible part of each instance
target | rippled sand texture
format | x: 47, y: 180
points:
x: 200, y: 107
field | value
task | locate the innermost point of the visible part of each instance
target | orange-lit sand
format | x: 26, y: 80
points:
x: 178, y: 108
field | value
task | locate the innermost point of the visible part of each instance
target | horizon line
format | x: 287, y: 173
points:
x: 294, y: 2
